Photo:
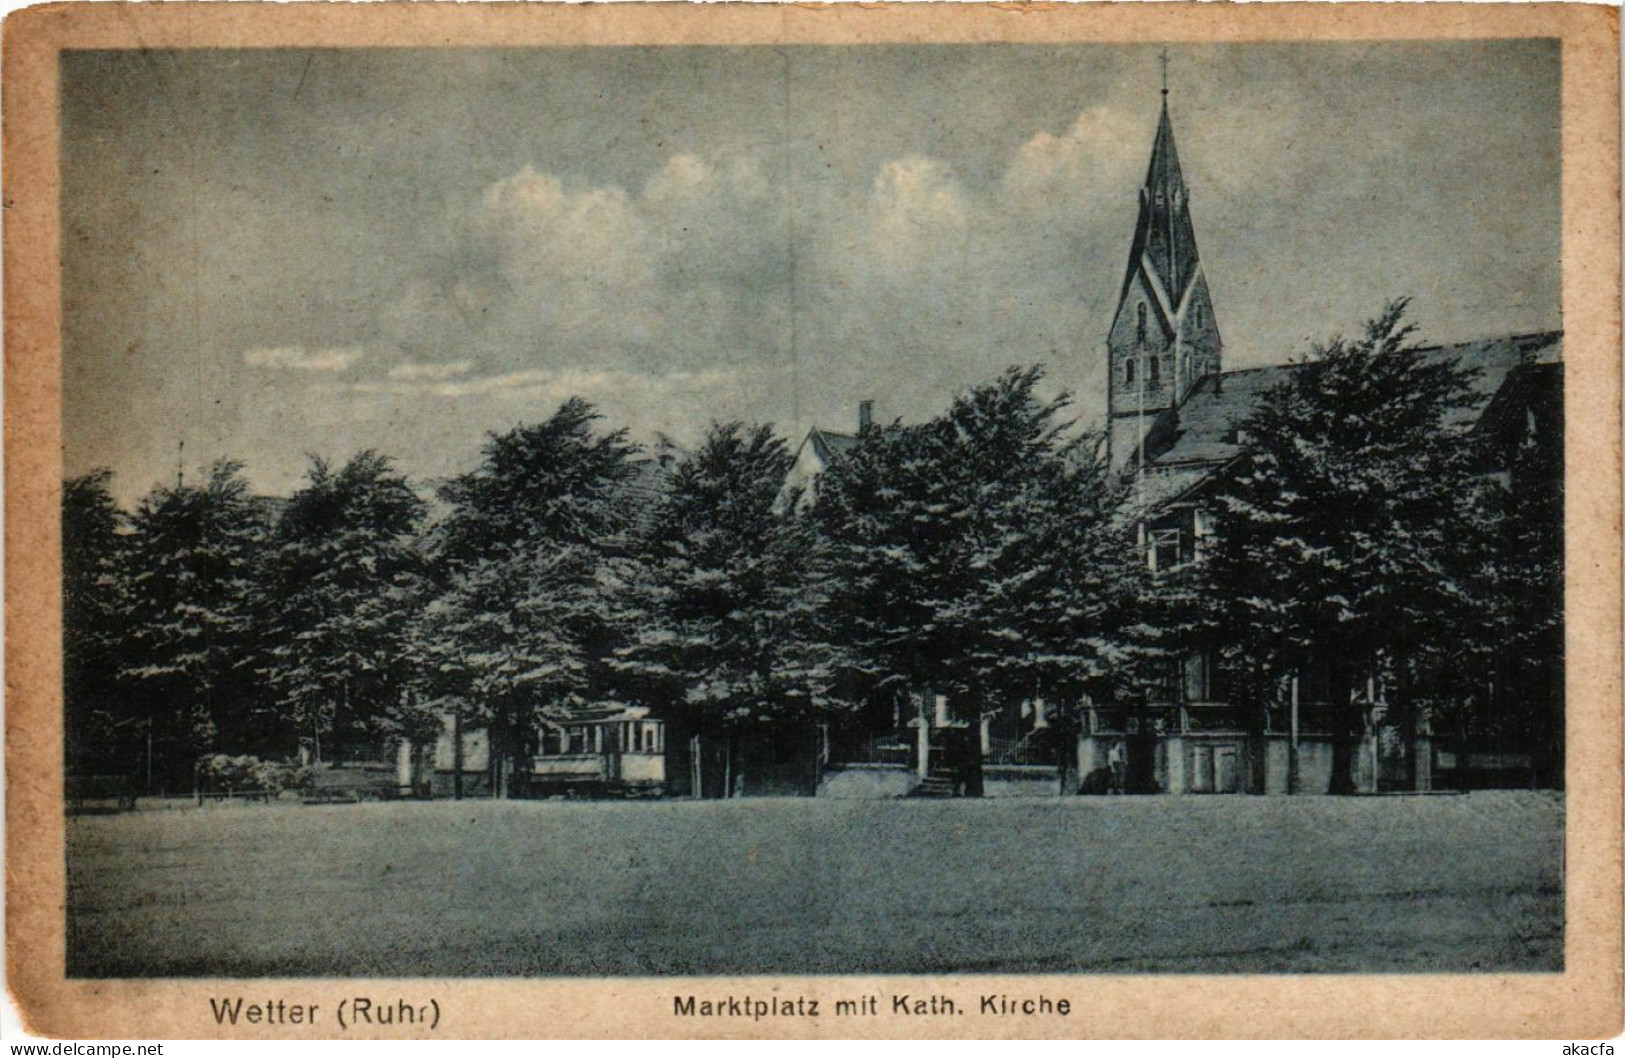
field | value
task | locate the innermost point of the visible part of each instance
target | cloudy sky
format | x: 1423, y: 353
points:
x: 275, y: 253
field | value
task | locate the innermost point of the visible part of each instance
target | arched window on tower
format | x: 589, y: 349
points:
x: 1140, y: 330
x: 1128, y: 372
x: 1156, y: 370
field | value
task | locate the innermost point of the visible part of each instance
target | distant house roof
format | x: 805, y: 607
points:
x: 829, y: 444
x: 1204, y: 431
x: 812, y: 457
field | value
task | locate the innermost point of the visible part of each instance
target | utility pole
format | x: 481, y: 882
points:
x: 1292, y: 780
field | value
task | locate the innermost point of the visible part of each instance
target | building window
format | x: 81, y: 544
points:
x: 1196, y: 677
x: 1202, y: 533
x: 1128, y: 372
x: 1139, y: 333
x: 1163, y: 549
x: 1165, y: 675
x: 1156, y: 370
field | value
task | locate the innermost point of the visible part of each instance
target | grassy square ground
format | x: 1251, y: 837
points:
x: 1121, y: 884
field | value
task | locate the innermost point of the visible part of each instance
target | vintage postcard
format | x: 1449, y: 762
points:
x: 919, y: 521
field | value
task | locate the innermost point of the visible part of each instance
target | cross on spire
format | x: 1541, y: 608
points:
x: 1163, y: 58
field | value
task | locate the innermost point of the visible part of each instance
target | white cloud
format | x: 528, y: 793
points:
x: 297, y: 358
x: 675, y: 291
x: 414, y: 372
x: 917, y: 206
x: 551, y: 384
x: 1070, y: 173
x: 684, y: 272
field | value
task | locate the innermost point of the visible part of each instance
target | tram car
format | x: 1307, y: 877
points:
x: 619, y: 755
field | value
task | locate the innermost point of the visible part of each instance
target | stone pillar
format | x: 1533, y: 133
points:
x: 1089, y: 756
x: 403, y: 768
x: 1177, y: 783
x: 922, y: 746
x: 1277, y: 765
x: 1422, y: 761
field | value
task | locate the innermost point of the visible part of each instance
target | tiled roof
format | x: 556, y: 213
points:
x: 1207, y: 420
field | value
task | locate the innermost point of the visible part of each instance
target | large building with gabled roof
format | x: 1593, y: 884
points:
x: 1176, y: 428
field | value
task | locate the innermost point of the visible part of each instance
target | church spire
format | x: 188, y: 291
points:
x: 1163, y: 338
x: 1164, y: 232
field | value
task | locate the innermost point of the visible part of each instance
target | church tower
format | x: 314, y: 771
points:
x: 1163, y: 338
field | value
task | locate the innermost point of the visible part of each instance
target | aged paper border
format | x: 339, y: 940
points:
x: 1582, y: 1002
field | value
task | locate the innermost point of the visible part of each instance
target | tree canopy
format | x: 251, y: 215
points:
x: 973, y: 553
x: 344, y: 581
x: 523, y: 625
x: 1345, y: 536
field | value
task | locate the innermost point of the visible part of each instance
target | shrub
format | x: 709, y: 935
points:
x: 225, y: 774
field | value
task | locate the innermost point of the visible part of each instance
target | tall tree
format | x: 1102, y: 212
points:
x: 1340, y: 537
x: 1499, y: 681
x: 721, y: 604
x: 524, y: 624
x: 974, y: 554
x: 94, y: 599
x: 344, y: 582
x: 191, y: 650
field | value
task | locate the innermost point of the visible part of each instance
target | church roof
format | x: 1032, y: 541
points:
x: 1208, y: 419
x: 1164, y: 237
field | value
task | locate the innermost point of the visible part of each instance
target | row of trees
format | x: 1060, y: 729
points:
x: 980, y: 553
x: 1364, y: 535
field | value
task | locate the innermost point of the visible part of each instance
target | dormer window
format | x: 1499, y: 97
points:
x: 1140, y: 330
